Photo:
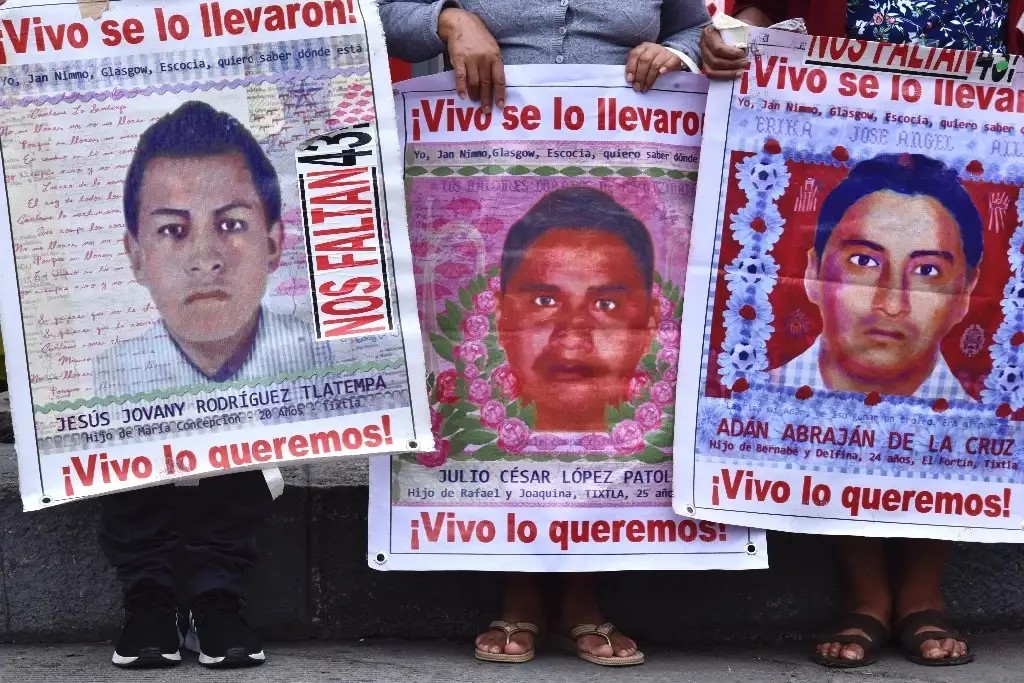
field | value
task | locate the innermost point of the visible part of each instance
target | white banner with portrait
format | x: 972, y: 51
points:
x: 550, y: 240
x: 204, y: 262
x: 853, y: 337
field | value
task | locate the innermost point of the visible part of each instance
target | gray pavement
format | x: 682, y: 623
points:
x: 1001, y: 659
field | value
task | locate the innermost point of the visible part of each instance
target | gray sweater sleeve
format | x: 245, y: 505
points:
x: 410, y: 27
x: 681, y: 24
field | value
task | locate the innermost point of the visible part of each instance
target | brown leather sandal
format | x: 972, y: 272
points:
x: 940, y: 629
x: 877, y: 635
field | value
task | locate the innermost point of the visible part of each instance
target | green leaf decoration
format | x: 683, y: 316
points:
x: 610, y: 415
x: 415, y: 171
x: 443, y: 347
x: 466, y: 299
x: 488, y: 452
x: 451, y: 425
x: 596, y: 457
x: 661, y: 438
x: 529, y: 415
x: 513, y: 409
x: 678, y: 310
x: 647, y: 364
x: 652, y: 456
x: 567, y: 457
x: 475, y: 437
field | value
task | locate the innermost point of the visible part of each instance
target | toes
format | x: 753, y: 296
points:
x: 949, y: 647
x: 519, y: 644
x: 932, y: 649
x: 852, y: 652
x: 961, y: 649
x: 596, y: 646
x: 491, y: 642
x: 624, y: 647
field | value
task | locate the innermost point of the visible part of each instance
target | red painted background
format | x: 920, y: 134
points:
x: 797, y: 321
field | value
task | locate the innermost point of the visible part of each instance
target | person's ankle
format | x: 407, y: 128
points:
x: 914, y: 605
x: 881, y: 612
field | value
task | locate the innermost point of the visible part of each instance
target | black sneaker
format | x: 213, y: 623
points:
x: 150, y: 636
x: 219, y: 633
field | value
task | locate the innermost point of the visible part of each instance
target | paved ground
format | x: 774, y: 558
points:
x: 1001, y: 660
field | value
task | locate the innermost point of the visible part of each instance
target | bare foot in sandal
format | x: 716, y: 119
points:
x: 855, y: 641
x: 945, y: 644
x: 493, y: 640
x: 580, y: 606
x: 522, y: 604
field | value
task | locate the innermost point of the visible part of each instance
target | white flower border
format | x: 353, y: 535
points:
x: 753, y: 274
x: 1005, y: 384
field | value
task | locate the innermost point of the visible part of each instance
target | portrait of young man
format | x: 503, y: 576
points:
x: 895, y: 259
x: 576, y: 312
x: 202, y: 208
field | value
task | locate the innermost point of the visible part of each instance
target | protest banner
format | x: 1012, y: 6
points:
x: 204, y: 264
x: 550, y: 238
x: 852, y: 336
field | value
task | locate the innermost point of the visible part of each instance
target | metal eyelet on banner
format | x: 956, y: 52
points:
x: 46, y: 500
x: 413, y: 445
x: 751, y: 549
x: 381, y: 559
x: 690, y: 510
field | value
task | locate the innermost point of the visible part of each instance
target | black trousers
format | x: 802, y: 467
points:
x: 213, y: 526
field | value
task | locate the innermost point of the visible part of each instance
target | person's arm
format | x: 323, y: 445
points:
x: 411, y: 27
x: 728, y: 61
x: 678, y: 46
x: 416, y: 30
x: 681, y: 24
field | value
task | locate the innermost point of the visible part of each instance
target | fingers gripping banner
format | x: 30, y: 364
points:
x: 855, y: 317
x: 550, y: 240
x: 204, y: 264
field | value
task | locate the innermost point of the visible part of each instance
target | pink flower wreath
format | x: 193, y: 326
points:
x: 476, y: 410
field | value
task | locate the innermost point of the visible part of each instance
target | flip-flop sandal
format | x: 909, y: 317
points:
x: 911, y: 641
x: 877, y: 634
x: 571, y: 645
x: 510, y: 629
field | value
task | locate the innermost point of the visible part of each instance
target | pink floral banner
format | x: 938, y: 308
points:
x: 550, y: 244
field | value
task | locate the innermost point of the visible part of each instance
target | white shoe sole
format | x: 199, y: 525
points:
x: 206, y: 660
x: 192, y: 645
x: 120, y: 660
